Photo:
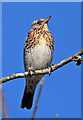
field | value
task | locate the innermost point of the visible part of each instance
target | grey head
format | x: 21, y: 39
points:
x: 40, y: 23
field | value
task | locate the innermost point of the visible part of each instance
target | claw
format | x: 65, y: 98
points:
x: 30, y: 71
x: 50, y: 70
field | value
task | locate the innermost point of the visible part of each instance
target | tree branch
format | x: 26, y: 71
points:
x: 76, y: 57
x: 36, y: 104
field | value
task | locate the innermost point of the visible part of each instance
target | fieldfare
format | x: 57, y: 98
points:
x: 38, y: 54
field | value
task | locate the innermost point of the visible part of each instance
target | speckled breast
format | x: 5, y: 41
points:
x: 38, y: 50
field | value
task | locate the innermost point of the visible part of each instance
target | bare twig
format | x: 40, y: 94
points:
x: 36, y: 104
x: 45, y: 71
x: 57, y: 116
x: 4, y: 111
x: 3, y: 107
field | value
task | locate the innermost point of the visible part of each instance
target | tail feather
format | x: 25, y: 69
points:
x: 27, y: 100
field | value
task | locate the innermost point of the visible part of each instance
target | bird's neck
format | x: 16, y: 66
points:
x: 45, y: 28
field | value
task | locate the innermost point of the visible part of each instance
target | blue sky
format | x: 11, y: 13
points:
x: 61, y: 93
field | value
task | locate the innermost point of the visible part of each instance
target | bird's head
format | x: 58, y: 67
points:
x: 40, y: 23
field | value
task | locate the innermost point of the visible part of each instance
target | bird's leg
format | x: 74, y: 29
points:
x: 50, y: 69
x: 30, y: 71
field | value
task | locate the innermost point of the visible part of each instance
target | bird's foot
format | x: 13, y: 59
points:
x: 50, y: 69
x: 31, y: 71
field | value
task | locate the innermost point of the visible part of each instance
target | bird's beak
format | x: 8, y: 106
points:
x: 46, y: 20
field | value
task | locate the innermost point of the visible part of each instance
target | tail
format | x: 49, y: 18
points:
x: 27, y: 99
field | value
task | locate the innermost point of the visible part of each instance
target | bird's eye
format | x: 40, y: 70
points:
x: 39, y: 22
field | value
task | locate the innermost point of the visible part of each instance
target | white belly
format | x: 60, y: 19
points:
x: 39, y: 58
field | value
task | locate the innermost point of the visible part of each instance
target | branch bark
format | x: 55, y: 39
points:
x: 76, y: 57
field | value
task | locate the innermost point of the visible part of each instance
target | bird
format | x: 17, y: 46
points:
x: 38, y: 54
